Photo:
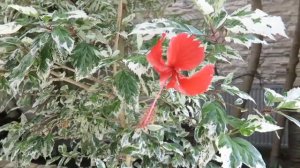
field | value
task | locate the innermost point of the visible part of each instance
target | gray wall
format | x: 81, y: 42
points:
x: 274, y: 56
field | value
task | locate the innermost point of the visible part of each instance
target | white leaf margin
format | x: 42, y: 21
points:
x: 77, y: 14
x: 136, y: 68
x: 64, y: 44
x: 205, y: 7
x: 139, y: 70
x: 148, y: 30
x: 9, y: 28
x: 293, y: 94
x: 27, y: 10
x: 295, y: 121
x: 267, y: 25
x: 225, y: 153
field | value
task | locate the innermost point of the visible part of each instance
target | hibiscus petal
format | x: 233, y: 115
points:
x: 185, y: 52
x: 173, y: 82
x: 155, y: 56
x: 164, y: 76
x: 198, y: 83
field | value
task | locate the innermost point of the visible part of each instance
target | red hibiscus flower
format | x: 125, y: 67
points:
x: 184, y: 53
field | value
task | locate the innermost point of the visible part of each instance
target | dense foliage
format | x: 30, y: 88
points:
x: 78, y: 71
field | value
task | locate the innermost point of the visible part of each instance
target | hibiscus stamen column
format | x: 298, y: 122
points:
x: 148, y: 116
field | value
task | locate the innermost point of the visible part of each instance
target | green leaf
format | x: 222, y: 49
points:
x: 47, y: 145
x: 45, y: 60
x: 292, y: 100
x: 244, y: 39
x: 293, y: 94
x: 214, y: 114
x: 157, y: 26
x: 289, y: 102
x: 272, y: 97
x: 295, y: 121
x: 46, y: 56
x: 228, y: 78
x: 199, y: 132
x: 137, y: 64
x: 289, y: 105
x: 63, y: 39
x: 218, y: 5
x: 245, y: 127
x: 236, y: 151
x: 126, y: 85
x: 54, y: 159
x: 100, y: 163
x: 154, y: 127
x: 129, y: 150
x: 128, y: 19
x: 173, y: 147
x: 191, y: 29
x: 244, y: 23
x: 233, y: 90
x: 247, y: 130
x: 234, y: 122
x: 148, y: 30
x: 238, y: 101
x: 246, y: 10
x: 220, y: 19
x: 262, y: 124
x: 84, y: 59
x: 111, y: 107
x: 62, y: 149
x: 212, y: 165
x: 3, y: 84
x: 141, y: 59
x: 77, y: 14
x: 252, y: 124
x: 20, y: 71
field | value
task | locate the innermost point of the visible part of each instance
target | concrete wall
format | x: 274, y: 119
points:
x: 274, y: 56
